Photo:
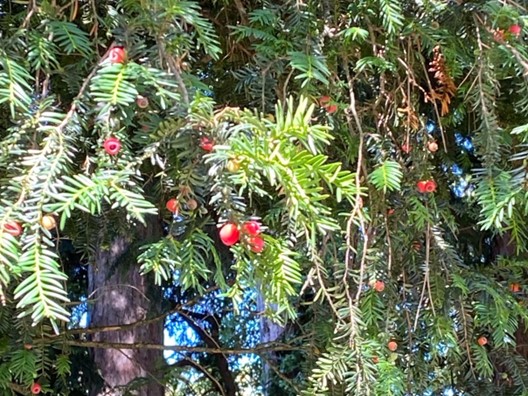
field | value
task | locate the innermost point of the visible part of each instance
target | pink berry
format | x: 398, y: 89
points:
x: 256, y: 244
x: 13, y: 228
x: 515, y: 30
x: 206, y: 144
x: 251, y: 228
x: 112, y: 145
x: 117, y: 55
x: 229, y: 234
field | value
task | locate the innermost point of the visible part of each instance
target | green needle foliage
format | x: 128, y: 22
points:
x: 380, y: 144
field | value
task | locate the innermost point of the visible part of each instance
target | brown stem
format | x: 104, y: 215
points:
x: 261, y: 348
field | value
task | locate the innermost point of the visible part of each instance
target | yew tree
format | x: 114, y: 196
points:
x: 332, y: 196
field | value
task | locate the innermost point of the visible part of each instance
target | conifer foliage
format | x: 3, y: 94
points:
x: 359, y: 166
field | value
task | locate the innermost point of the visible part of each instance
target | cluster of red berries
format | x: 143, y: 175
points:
x: 230, y: 235
x: 426, y: 186
x: 326, y: 103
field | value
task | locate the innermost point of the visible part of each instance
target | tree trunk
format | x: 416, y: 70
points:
x: 123, y: 296
x: 269, y: 332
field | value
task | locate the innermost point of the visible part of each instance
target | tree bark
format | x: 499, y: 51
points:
x: 123, y: 296
x: 269, y: 332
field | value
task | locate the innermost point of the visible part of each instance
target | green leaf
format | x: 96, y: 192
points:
x: 387, y: 176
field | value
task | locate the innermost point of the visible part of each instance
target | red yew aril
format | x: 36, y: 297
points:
x: 331, y: 109
x: 406, y: 148
x: 13, y: 228
x: 172, y: 205
x: 117, y: 55
x: 323, y: 100
x: 482, y: 341
x: 515, y: 29
x: 392, y: 345
x: 421, y: 185
x: 112, y: 146
x: 229, y: 234
x: 36, y: 388
x: 251, y: 228
x: 256, y: 244
x: 379, y: 286
x: 206, y: 144
x: 515, y: 287
x: 430, y: 186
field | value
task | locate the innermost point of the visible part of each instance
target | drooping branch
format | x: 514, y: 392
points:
x: 260, y: 348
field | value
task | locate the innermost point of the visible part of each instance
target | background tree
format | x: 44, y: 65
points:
x: 353, y: 172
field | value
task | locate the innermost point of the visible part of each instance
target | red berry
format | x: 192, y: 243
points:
x: 421, y: 185
x: 256, y: 244
x: 13, y: 228
x: 229, y: 234
x: 112, y: 145
x: 482, y: 341
x: 206, y: 144
x: 430, y: 186
x: 375, y: 359
x: 330, y: 109
x: 142, y: 102
x: 323, y: 100
x: 172, y: 205
x: 515, y: 287
x: 379, y: 286
x: 392, y: 345
x: 391, y: 211
x: 117, y: 55
x: 251, y: 228
x: 515, y: 30
x: 36, y: 388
